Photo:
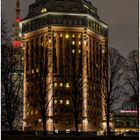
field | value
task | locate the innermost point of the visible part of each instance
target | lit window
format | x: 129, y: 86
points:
x: 103, y: 50
x: 32, y: 71
x: 67, y: 102
x: 43, y: 10
x: 79, y: 42
x: 79, y: 35
x: 73, y: 42
x: 28, y: 105
x: 67, y: 85
x: 55, y: 101
x: 73, y: 36
x: 61, y: 35
x: 36, y: 112
x: 27, y: 113
x: 73, y: 51
x: 61, y: 101
x: 37, y: 70
x: 61, y: 84
x: 67, y: 36
x: 67, y: 130
x: 31, y: 112
x: 55, y: 84
x: 39, y: 120
x: 79, y: 51
x: 50, y: 41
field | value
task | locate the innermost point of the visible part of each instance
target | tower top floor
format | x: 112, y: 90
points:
x: 63, y: 6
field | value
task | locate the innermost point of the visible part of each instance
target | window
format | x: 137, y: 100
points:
x: 36, y: 112
x: 56, y: 121
x: 73, y: 51
x: 43, y: 10
x: 55, y: 84
x: 61, y: 101
x: 79, y: 42
x: 67, y: 102
x: 31, y: 112
x: 55, y: 101
x: 35, y: 122
x: 61, y: 84
x: 73, y: 42
x: 39, y: 120
x: 67, y: 85
x: 68, y: 121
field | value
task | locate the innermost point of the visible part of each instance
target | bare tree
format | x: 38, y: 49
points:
x: 10, y: 81
x: 112, y: 85
x: 38, y: 98
x: 75, y: 78
x: 132, y: 82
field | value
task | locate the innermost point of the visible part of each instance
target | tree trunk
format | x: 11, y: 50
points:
x: 76, y: 120
x: 107, y: 124
x: 44, y: 126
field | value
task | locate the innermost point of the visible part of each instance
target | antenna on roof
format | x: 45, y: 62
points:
x: 17, y: 10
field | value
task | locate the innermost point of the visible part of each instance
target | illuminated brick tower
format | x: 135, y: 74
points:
x: 76, y: 42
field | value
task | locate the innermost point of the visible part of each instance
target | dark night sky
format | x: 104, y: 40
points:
x: 120, y: 15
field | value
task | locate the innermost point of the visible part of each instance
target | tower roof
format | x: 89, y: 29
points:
x: 64, y: 6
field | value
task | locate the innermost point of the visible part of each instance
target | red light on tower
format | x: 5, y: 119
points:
x: 16, y: 43
x: 17, y: 20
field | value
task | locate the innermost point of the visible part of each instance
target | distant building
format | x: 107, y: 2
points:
x: 78, y: 44
x: 126, y: 121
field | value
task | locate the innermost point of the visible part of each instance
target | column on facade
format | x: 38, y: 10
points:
x: 57, y: 51
x: 49, y: 79
x: 84, y: 80
x: 25, y: 88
